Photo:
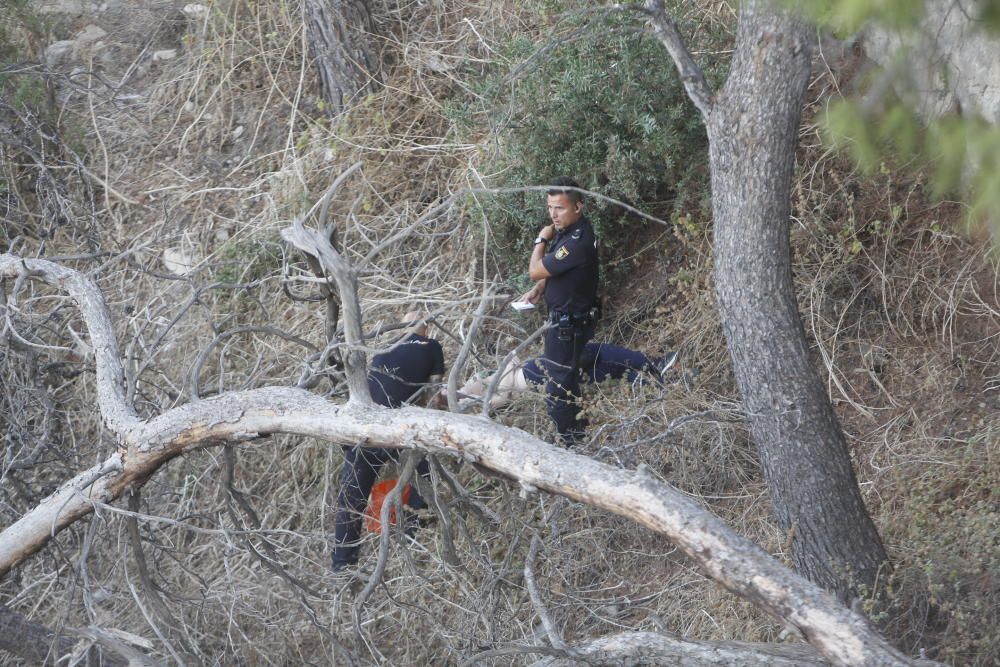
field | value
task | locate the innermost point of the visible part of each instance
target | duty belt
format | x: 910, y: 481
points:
x: 569, y: 324
x: 580, y: 318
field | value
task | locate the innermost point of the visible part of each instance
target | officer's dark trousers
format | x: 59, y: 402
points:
x: 563, y: 388
x: 361, y: 468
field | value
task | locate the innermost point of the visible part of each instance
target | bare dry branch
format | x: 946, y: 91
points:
x: 164, y: 620
x: 555, y: 638
x: 37, y: 644
x: 736, y: 563
x: 463, y: 353
x: 666, y: 31
x: 633, y: 649
x: 318, y: 245
x: 193, y: 383
x: 117, y: 412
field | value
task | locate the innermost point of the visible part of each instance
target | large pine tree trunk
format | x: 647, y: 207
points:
x: 339, y: 36
x: 753, y: 130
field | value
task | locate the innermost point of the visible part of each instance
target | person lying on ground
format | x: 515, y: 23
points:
x: 598, y: 362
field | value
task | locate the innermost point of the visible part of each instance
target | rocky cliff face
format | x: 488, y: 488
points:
x: 949, y: 64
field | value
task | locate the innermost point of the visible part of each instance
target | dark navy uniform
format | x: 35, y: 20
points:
x: 571, y: 297
x: 602, y: 361
x: 398, y: 374
x: 393, y: 379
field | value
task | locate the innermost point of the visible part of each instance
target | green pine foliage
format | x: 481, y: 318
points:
x: 989, y: 14
x: 22, y: 33
x: 961, y: 153
x: 846, y: 17
x: 599, y: 100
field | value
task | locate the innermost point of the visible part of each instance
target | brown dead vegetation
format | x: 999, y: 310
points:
x: 900, y: 301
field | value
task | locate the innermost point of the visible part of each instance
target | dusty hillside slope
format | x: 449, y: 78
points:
x: 181, y: 140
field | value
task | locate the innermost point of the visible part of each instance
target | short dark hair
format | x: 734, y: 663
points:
x: 558, y: 187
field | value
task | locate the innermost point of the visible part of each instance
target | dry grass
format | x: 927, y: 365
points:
x: 904, y: 315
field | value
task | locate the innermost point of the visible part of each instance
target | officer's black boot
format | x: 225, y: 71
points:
x: 342, y: 565
x: 573, y: 436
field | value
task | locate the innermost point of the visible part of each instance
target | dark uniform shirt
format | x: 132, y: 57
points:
x: 399, y: 373
x: 571, y: 259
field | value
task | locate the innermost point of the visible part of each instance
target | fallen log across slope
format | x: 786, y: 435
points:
x: 839, y: 634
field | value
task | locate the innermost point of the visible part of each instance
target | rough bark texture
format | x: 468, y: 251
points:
x: 146, y: 445
x: 338, y: 33
x: 318, y: 245
x: 646, y: 649
x: 753, y: 132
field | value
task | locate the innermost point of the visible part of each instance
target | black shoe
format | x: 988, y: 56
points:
x: 571, y: 439
x: 344, y: 566
x: 417, y: 519
x: 410, y: 524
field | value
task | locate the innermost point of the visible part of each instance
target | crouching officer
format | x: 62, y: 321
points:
x: 564, y: 262
x: 396, y: 378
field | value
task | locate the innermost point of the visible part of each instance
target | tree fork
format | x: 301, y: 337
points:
x: 753, y: 125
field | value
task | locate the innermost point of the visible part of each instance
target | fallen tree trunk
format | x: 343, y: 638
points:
x: 736, y: 563
x: 648, y: 649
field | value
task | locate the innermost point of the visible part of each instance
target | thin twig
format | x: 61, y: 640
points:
x: 463, y: 353
x: 392, y: 501
x: 555, y: 638
x: 158, y: 606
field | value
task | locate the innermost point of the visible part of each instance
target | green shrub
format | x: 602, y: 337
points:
x: 248, y: 259
x: 604, y: 106
x: 21, y: 35
x: 21, y: 32
x: 948, y: 559
x: 10, y: 21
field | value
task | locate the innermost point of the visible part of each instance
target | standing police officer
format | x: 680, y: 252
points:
x: 564, y: 262
x: 396, y: 377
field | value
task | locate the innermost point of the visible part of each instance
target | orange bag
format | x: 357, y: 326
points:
x: 373, y: 511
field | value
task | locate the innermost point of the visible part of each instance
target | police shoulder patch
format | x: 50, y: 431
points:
x: 577, y: 234
x: 562, y: 253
